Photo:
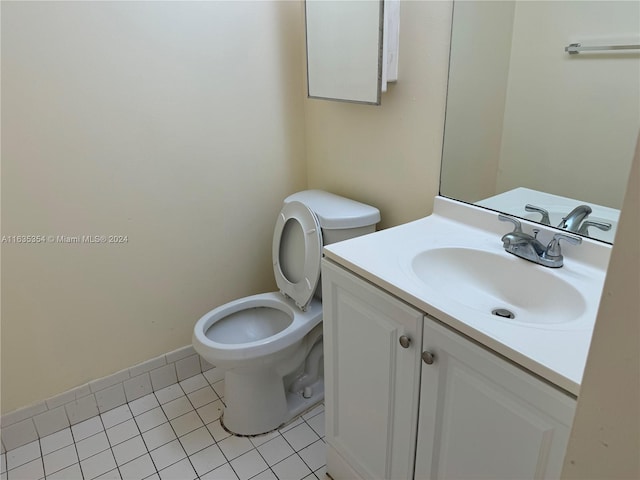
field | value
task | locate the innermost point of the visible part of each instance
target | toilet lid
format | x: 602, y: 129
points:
x: 296, y: 252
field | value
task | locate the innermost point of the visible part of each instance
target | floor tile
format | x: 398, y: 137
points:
x: 21, y: 455
x: 141, y: 467
x: 186, y: 423
x: 219, y: 388
x: 321, y: 473
x: 317, y: 424
x: 275, y: 450
x: 56, y: 441
x: 177, y: 407
x: 70, y: 473
x: 181, y: 470
x: 211, y: 411
x: 233, y: 447
x: 167, y: 454
x: 313, y: 412
x: 294, y: 423
x: 110, y: 475
x: 208, y: 459
x: 194, y: 383
x: 249, y: 465
x: 116, y: 416
x: 31, y: 470
x: 92, y: 445
x: 217, y: 431
x: 137, y: 441
x: 158, y: 436
x: 266, y: 475
x: 197, y: 440
x: 169, y: 393
x: 203, y: 396
x: 123, y: 431
x: 300, y: 436
x: 144, y: 404
x: 129, y: 450
x: 292, y: 468
x: 315, y: 455
x: 63, y: 458
x: 260, y: 439
x: 87, y: 428
x: 224, y: 472
x: 152, y: 418
x: 95, y: 466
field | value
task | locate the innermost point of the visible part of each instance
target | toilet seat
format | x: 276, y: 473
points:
x: 250, y: 348
x: 299, y: 287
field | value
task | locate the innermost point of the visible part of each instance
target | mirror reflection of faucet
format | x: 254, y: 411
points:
x: 574, y: 221
x: 530, y: 248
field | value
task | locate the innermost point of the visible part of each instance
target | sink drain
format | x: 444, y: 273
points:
x: 503, y: 312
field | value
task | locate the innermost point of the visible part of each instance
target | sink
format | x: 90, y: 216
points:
x: 498, y: 285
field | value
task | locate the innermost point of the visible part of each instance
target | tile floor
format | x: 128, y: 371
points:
x: 174, y: 433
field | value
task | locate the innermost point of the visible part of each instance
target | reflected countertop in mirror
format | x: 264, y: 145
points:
x: 525, y: 117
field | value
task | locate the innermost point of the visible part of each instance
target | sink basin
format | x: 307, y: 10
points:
x: 499, y: 284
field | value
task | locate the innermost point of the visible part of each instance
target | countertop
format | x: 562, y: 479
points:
x: 555, y: 352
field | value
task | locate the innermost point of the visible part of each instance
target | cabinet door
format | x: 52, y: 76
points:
x: 483, y: 417
x: 371, y: 380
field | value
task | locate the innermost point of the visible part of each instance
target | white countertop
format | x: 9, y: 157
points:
x: 556, y: 352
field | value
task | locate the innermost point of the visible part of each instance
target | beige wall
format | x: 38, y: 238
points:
x: 176, y: 124
x: 389, y: 155
x: 605, y: 439
x: 571, y: 121
x: 479, y: 70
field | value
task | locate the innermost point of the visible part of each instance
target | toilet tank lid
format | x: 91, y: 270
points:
x: 335, y: 212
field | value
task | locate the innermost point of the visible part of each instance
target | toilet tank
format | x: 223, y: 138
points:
x: 340, y: 218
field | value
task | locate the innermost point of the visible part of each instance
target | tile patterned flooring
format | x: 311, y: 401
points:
x: 174, y: 433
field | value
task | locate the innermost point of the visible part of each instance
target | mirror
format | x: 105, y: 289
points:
x: 527, y: 123
x: 344, y: 50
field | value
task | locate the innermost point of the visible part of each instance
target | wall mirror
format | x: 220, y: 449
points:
x: 532, y: 130
x: 351, y: 48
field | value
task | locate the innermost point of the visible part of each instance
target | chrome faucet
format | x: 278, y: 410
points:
x: 530, y: 248
x: 574, y: 218
x: 584, y: 228
x: 545, y: 214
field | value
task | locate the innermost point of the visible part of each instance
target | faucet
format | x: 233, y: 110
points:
x: 584, y: 228
x: 574, y: 218
x: 530, y: 248
x: 545, y: 214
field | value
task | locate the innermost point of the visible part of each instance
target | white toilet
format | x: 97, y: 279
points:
x: 271, y: 344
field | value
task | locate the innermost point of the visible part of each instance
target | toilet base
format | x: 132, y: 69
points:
x: 250, y: 415
x: 298, y: 405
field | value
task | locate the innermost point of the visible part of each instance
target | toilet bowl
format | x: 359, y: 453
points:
x: 270, y: 344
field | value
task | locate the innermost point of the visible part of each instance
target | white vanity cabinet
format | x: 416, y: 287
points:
x: 482, y: 417
x: 371, y: 380
x: 455, y: 411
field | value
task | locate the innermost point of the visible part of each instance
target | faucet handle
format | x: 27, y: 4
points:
x: 584, y: 227
x: 545, y: 214
x: 553, y: 249
x: 516, y: 223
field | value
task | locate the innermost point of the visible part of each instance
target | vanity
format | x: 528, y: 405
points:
x: 426, y: 376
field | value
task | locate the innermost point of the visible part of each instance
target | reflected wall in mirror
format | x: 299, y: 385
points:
x: 527, y: 123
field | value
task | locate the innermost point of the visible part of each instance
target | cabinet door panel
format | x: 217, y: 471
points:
x: 371, y: 382
x: 482, y: 417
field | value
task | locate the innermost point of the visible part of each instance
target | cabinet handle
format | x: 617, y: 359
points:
x: 405, y: 341
x: 428, y: 358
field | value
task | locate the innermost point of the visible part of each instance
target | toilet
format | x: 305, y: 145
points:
x: 270, y: 344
